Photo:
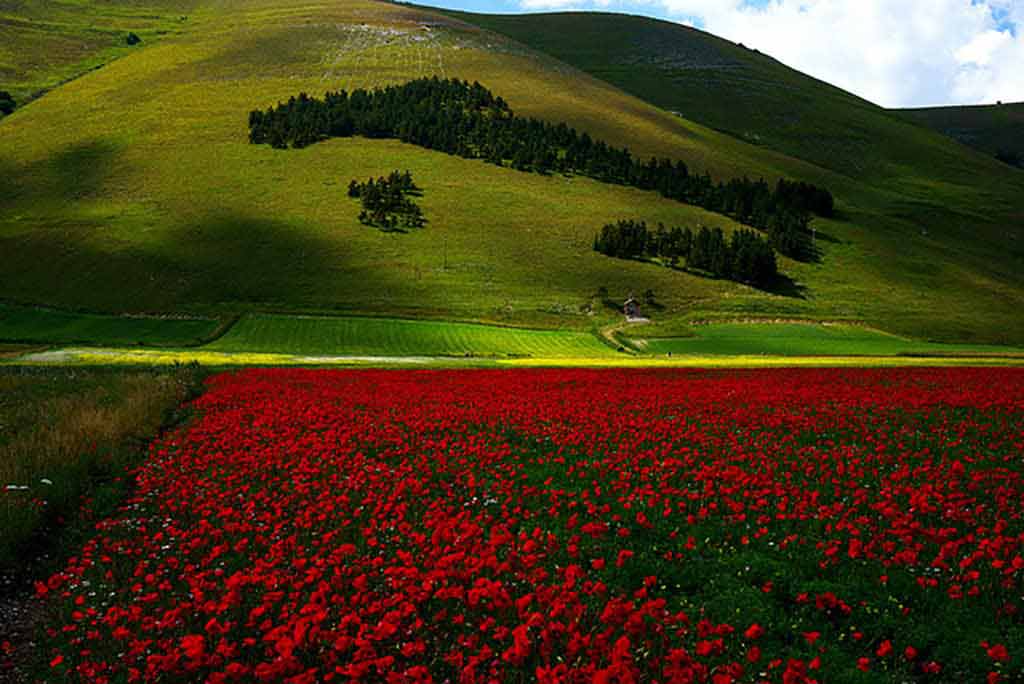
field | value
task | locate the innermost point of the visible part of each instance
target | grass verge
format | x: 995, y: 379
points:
x: 67, y: 435
x: 150, y: 358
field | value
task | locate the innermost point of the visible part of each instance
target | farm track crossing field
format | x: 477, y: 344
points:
x: 787, y: 526
x: 392, y: 337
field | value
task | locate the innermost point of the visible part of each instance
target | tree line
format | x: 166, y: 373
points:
x: 468, y: 120
x: 746, y: 257
x: 386, y: 201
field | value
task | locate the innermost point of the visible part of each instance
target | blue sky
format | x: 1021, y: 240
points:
x: 897, y: 53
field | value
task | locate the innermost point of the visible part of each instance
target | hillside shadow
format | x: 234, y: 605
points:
x: 827, y: 237
x: 781, y: 285
x: 227, y: 259
x: 8, y: 172
x: 784, y: 286
x: 80, y: 170
x: 69, y: 258
x: 235, y: 256
x: 73, y: 172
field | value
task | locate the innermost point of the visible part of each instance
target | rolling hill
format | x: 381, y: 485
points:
x: 992, y: 129
x: 133, y: 189
x: 737, y: 90
x: 44, y: 44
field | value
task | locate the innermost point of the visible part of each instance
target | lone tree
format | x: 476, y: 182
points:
x: 133, y: 39
x: 6, y: 103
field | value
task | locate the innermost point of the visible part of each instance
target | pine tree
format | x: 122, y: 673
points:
x: 7, y: 104
x: 456, y: 117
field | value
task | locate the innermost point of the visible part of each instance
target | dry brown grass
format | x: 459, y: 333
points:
x: 64, y: 432
x: 10, y: 351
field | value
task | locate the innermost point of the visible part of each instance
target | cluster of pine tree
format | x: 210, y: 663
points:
x: 386, y: 202
x: 746, y: 257
x: 468, y: 120
x: 1010, y: 157
x: 7, y: 104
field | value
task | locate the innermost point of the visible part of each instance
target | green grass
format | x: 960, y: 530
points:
x: 47, y: 326
x: 133, y: 188
x: 798, y: 339
x: 44, y: 44
x: 317, y: 336
x: 988, y: 128
x: 282, y: 340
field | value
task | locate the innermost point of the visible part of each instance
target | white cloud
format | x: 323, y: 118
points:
x: 893, y: 52
x: 991, y: 72
x: 984, y: 48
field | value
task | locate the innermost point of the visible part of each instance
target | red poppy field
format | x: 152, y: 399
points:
x: 564, y: 526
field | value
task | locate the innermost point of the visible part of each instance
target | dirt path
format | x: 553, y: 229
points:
x: 609, y: 332
x: 19, y: 617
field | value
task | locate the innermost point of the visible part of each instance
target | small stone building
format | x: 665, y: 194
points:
x: 631, y: 308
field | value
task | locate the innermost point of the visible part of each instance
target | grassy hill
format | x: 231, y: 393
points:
x: 133, y: 190
x: 905, y: 182
x: 989, y: 128
x: 44, y: 44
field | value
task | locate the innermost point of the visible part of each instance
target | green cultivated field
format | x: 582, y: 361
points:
x: 261, y: 339
x: 48, y: 326
x: 133, y: 188
x: 796, y: 339
x: 384, y: 337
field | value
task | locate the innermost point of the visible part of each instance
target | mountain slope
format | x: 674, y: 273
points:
x: 43, y: 44
x: 730, y: 88
x: 134, y: 189
x: 905, y: 182
x: 991, y: 129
